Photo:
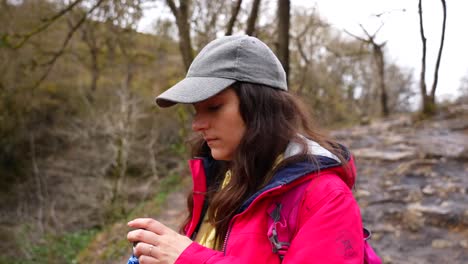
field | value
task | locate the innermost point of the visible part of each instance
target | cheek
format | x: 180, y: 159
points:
x: 233, y: 133
x: 237, y: 131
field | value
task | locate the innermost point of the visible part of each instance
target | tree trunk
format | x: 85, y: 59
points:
x: 422, y: 82
x: 439, y: 55
x: 95, y: 70
x: 89, y: 37
x: 235, y: 11
x: 429, y: 105
x: 283, y: 34
x: 380, y: 63
x: 251, y: 21
x: 182, y: 20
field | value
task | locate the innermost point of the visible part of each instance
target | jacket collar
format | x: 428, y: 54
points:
x: 292, y: 173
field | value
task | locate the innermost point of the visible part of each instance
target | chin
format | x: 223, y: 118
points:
x: 220, y: 156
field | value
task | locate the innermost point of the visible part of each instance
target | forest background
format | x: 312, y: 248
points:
x: 82, y: 145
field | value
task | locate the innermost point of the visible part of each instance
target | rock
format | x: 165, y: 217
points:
x: 446, y: 188
x: 362, y: 193
x: 389, y: 124
x: 387, y: 155
x: 448, y: 214
x: 428, y: 190
x: 406, y: 193
x: 457, y: 110
x: 457, y: 124
x: 453, y: 144
x: 394, y: 139
x: 388, y: 183
x: 386, y: 259
x: 416, y: 179
x: 430, y: 209
x: 464, y: 244
x: 441, y: 243
x: 413, y: 219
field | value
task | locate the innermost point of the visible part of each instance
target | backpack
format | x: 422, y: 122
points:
x: 283, y: 220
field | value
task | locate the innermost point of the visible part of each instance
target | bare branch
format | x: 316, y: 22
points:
x: 48, y: 22
x: 356, y: 37
x: 235, y: 11
x: 173, y: 7
x: 338, y: 53
x: 377, y: 31
x: 70, y: 34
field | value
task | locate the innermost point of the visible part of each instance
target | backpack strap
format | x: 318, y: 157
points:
x: 282, y: 223
x: 278, y: 246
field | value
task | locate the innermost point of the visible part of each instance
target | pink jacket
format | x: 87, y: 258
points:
x: 329, y: 220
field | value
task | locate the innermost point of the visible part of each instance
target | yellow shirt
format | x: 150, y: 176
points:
x: 206, y: 234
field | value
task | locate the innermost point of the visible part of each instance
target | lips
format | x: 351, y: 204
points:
x: 210, y: 140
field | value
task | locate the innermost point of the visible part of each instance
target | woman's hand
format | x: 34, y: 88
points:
x: 157, y: 243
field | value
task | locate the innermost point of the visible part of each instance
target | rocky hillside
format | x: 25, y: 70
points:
x: 413, y: 184
x: 412, y: 188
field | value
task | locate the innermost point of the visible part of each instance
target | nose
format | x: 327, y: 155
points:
x: 199, y: 123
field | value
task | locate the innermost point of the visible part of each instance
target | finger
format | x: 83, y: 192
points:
x: 145, y: 236
x: 143, y: 259
x: 149, y: 224
x: 144, y: 249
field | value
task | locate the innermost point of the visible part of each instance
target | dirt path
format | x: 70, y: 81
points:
x: 173, y: 211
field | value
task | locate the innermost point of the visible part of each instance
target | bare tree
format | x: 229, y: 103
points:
x: 428, y: 100
x: 283, y: 34
x: 379, y: 60
x: 252, y: 20
x: 181, y: 14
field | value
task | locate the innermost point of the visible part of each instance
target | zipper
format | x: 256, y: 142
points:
x: 238, y: 215
x: 227, y: 236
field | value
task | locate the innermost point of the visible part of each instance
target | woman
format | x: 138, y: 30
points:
x: 255, y: 145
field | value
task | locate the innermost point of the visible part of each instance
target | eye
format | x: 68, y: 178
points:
x: 214, y: 108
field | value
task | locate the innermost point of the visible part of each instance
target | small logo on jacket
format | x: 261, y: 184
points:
x: 345, y: 245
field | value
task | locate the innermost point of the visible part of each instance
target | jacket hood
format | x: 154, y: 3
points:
x: 323, y: 160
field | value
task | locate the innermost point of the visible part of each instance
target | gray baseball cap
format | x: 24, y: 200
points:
x: 220, y: 64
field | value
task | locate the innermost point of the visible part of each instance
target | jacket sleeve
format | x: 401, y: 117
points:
x: 197, y: 254
x: 329, y: 230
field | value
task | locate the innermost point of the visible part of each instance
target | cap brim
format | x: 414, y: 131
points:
x: 192, y: 90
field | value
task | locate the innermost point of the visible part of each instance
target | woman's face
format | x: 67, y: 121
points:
x: 219, y: 121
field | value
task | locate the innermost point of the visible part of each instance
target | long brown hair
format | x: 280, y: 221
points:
x: 273, y: 118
